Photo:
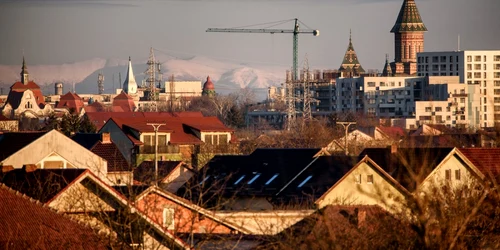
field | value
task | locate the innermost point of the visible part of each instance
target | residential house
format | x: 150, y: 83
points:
x: 83, y: 196
x: 180, y: 138
x: 26, y: 223
x: 171, y: 174
x: 71, y: 102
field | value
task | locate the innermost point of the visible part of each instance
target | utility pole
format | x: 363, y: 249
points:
x: 346, y: 127
x: 156, y: 126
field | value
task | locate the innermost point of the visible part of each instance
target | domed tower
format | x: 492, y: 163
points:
x: 208, y: 88
x: 58, y: 88
x: 408, y: 39
x: 129, y: 85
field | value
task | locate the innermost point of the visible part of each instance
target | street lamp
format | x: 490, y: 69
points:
x: 346, y: 127
x: 156, y: 126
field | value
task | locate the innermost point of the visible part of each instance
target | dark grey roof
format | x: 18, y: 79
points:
x: 87, y: 140
x: 145, y: 172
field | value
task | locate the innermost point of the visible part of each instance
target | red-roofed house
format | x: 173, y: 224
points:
x: 465, y: 166
x: 180, y: 138
x: 25, y: 99
x: 71, y: 101
x: 123, y: 103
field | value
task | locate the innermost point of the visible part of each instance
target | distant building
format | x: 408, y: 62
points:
x: 71, y: 101
x: 408, y: 39
x: 208, y: 88
x: 350, y: 66
x: 25, y: 98
x: 481, y: 68
x: 129, y: 85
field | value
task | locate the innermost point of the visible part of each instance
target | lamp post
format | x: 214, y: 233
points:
x: 346, y: 127
x: 156, y: 126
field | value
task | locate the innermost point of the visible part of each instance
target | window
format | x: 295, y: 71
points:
x: 469, y: 66
x: 484, y: 67
x: 439, y: 109
x: 496, y: 74
x: 496, y: 66
x: 462, y: 100
x: 272, y: 179
x: 469, y: 74
x: 435, y: 59
x: 477, y: 66
x: 428, y: 109
x: 457, y: 174
x: 253, y: 179
x: 371, y: 84
x: 358, y: 179
x: 304, y: 182
x: 496, y: 91
x: 451, y: 58
x: 447, y: 174
x: 443, y: 58
x: 477, y: 58
x: 469, y: 59
x: 239, y: 180
x: 477, y: 74
x: 369, y: 179
x: 169, y: 218
x: 496, y: 58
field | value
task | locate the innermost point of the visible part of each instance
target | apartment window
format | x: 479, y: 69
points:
x: 477, y: 58
x: 371, y: 84
x: 462, y: 100
x: 496, y: 58
x: 451, y: 58
x: 496, y: 83
x: 484, y: 67
x: 497, y: 108
x: 496, y: 66
x: 469, y: 66
x: 496, y: 74
x: 469, y: 75
x: 496, y: 117
x: 428, y: 109
x: 435, y: 59
x: 484, y: 58
x: 169, y: 218
x: 462, y: 117
x: 477, y: 66
x: 439, y: 109
x: 496, y: 100
x: 358, y: 179
x: 448, y: 117
x: 443, y: 66
x: 369, y: 179
x: 382, y: 84
x: 447, y: 174
x: 451, y: 67
x: 484, y: 75
x: 469, y: 59
x: 477, y: 74
x: 443, y: 58
x: 427, y: 59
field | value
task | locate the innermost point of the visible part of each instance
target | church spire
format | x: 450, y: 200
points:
x: 408, y: 19
x: 129, y: 85
x: 24, y: 73
x: 351, y: 64
x: 387, y: 67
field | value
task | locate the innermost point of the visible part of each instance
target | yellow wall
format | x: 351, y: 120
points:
x: 348, y: 192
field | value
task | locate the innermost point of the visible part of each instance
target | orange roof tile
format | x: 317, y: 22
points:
x: 486, y: 160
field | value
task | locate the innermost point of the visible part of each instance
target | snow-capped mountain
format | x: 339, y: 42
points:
x: 227, y: 76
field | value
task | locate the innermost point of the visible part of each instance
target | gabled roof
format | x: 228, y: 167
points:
x: 189, y: 205
x: 11, y: 142
x: 408, y: 166
x: 100, y: 118
x: 27, y: 224
x: 87, y: 140
x: 15, y: 95
x: 95, y: 107
x: 71, y: 101
x: 145, y: 172
x: 110, y: 152
x: 394, y: 133
x: 409, y: 19
x: 486, y: 160
x: 350, y: 61
x: 123, y: 103
x: 40, y: 184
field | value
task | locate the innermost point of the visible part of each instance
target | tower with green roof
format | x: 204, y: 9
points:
x: 350, y: 65
x: 408, y: 39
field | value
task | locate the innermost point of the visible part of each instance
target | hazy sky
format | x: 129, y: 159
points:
x: 56, y: 32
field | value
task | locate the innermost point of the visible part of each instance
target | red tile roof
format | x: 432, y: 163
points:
x: 27, y: 224
x: 486, y: 160
x: 392, y: 132
x: 95, y: 107
x: 123, y: 103
x: 71, y: 100
x: 100, y: 118
x: 17, y: 91
x: 109, y: 151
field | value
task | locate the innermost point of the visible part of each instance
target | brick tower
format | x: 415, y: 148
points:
x: 408, y: 39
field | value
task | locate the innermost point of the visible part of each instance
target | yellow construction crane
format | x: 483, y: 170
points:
x: 295, y: 31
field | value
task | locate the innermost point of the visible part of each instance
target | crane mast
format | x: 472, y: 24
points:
x: 290, y: 83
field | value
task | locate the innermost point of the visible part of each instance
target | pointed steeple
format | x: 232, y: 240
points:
x: 387, y: 67
x: 351, y: 61
x: 24, y: 73
x: 408, y: 19
x: 129, y: 85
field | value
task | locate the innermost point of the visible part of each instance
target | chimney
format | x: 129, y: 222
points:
x: 394, y: 148
x: 7, y: 168
x: 106, y: 138
x: 29, y: 168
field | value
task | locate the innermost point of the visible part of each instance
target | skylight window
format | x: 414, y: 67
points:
x: 253, y: 179
x: 272, y: 179
x: 206, y: 178
x: 304, y: 182
x: 240, y: 179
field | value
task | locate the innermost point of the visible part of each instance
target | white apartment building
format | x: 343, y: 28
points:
x: 179, y: 89
x: 459, y: 107
x: 473, y: 67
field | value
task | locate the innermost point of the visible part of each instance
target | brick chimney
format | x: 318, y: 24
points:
x: 106, y: 138
x: 394, y: 148
x: 29, y: 168
x: 7, y: 168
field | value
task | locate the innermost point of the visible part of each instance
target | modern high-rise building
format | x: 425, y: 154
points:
x: 473, y: 67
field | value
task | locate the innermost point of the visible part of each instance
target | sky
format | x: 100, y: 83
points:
x: 58, y: 32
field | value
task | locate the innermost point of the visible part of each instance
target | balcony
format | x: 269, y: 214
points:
x: 150, y: 149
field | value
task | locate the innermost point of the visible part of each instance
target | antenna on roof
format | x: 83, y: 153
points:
x: 458, y: 42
